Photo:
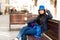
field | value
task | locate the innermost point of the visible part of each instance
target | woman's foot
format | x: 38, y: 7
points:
x: 16, y: 39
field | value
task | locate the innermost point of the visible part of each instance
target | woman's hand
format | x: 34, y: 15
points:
x: 46, y: 10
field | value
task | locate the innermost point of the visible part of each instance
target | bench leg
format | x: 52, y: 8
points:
x: 9, y: 27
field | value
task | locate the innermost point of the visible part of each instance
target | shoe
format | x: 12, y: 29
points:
x: 20, y: 38
x: 16, y: 39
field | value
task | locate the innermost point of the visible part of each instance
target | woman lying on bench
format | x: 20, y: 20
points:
x: 37, y: 26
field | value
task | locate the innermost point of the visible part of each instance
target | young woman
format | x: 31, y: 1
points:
x: 37, y: 26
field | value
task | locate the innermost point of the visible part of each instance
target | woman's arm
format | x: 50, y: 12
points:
x: 32, y: 21
x: 49, y: 15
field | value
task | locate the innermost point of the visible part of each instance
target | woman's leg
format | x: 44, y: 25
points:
x: 28, y: 32
x: 23, y: 37
x: 22, y: 31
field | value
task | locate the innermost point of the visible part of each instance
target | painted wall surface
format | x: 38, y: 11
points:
x: 58, y: 10
x: 3, y: 5
x: 29, y: 5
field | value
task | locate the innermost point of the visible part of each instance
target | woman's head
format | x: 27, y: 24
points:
x: 41, y: 9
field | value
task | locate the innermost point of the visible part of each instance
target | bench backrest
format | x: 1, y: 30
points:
x: 53, y: 26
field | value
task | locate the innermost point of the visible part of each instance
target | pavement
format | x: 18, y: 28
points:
x: 5, y: 34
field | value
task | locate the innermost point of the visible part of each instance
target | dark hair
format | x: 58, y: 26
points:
x: 44, y: 12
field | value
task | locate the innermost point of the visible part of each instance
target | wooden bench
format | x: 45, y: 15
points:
x: 17, y: 18
x: 52, y: 31
x: 53, y: 26
x: 34, y: 38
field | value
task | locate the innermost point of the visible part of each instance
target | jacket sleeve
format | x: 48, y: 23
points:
x: 49, y: 16
x: 32, y: 21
